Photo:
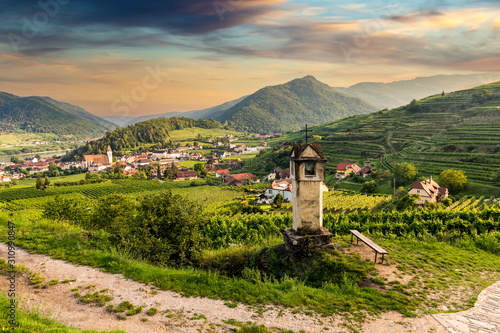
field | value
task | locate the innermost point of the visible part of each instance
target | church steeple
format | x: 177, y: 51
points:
x: 110, y: 154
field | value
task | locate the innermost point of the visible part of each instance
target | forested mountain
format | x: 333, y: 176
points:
x: 78, y: 111
x: 38, y: 115
x: 394, y: 94
x: 291, y: 105
x: 154, y: 131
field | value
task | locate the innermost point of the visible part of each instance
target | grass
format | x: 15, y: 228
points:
x: 60, y: 241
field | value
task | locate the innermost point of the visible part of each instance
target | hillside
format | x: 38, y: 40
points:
x: 460, y: 130
x: 150, y: 132
x: 45, y: 115
x: 394, y: 94
x: 78, y: 111
x: 289, y: 106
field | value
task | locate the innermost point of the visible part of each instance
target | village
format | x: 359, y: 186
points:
x: 222, y: 162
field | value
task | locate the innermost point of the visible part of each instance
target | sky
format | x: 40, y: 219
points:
x: 133, y: 58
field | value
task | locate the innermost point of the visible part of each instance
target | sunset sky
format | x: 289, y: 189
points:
x: 131, y: 58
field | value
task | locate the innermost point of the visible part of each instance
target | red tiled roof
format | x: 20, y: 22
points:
x: 240, y: 176
x: 186, y: 174
x: 345, y: 166
x: 97, y: 159
x: 222, y: 172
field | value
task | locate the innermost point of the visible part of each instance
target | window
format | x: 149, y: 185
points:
x: 310, y: 168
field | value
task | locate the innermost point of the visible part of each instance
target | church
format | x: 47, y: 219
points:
x: 98, y: 162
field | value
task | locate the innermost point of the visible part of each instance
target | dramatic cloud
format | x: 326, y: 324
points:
x: 92, y: 51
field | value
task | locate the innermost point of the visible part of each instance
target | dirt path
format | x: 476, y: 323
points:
x: 175, y: 313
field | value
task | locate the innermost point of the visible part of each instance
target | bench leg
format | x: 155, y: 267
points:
x: 376, y: 256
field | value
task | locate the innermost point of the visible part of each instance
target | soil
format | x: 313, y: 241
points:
x: 175, y: 312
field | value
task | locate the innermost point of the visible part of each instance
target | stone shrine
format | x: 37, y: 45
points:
x: 307, y: 171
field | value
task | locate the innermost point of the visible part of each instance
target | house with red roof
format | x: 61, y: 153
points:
x: 429, y: 191
x: 222, y: 173
x: 283, y: 187
x: 239, y: 179
x: 346, y: 169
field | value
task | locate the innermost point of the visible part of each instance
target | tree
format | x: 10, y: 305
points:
x: 453, y: 180
x: 46, y: 183
x: 38, y: 157
x: 39, y: 183
x: 369, y: 187
x: 54, y: 170
x: 200, y: 169
x: 278, y: 200
x: 114, y: 214
x: 405, y: 172
x: 167, y: 230
x: 16, y: 160
x: 414, y: 106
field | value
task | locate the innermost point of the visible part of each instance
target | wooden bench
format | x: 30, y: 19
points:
x: 370, y: 243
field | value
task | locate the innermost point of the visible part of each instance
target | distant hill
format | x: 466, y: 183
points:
x: 394, y: 94
x: 458, y: 130
x: 45, y: 115
x: 118, y: 120
x: 290, y: 106
x: 210, y: 113
x: 153, y: 133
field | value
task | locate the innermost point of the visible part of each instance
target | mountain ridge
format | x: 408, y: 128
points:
x: 45, y: 115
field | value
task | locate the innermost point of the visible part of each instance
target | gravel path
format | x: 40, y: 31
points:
x: 175, y: 313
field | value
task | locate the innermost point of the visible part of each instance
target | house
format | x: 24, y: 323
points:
x: 143, y: 162
x: 5, y: 179
x: 346, y: 169
x: 221, y: 173
x: 429, y: 191
x: 240, y: 147
x: 31, y: 159
x: 173, y: 153
x: 186, y: 175
x: 365, y: 171
x: 283, y: 187
x: 159, y: 154
x: 239, y: 179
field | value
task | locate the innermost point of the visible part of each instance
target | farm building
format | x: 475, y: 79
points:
x: 429, y: 191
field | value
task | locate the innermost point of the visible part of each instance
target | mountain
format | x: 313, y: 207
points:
x: 209, y: 113
x: 458, y: 130
x: 391, y: 95
x: 45, y: 115
x: 78, y: 111
x: 290, y: 106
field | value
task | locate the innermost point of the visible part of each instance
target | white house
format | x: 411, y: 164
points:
x: 283, y: 187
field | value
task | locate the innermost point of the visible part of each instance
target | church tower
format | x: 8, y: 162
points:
x: 110, y: 155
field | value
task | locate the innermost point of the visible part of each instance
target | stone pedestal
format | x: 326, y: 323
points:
x: 303, y: 243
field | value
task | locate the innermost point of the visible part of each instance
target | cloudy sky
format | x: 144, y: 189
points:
x: 144, y: 57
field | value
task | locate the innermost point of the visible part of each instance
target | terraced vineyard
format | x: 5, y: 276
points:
x: 458, y: 130
x: 33, y: 198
